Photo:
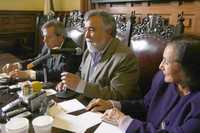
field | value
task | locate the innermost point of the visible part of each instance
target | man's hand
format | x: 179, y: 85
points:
x: 61, y: 87
x: 17, y: 74
x: 113, y: 115
x: 10, y: 67
x: 99, y: 105
x: 70, y: 80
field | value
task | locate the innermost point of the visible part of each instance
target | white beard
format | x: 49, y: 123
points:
x: 91, y: 48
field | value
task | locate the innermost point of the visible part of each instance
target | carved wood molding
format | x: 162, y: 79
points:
x: 154, y: 25
x: 168, y: 9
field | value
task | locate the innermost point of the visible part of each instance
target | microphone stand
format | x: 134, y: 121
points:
x: 67, y: 94
x: 45, y: 73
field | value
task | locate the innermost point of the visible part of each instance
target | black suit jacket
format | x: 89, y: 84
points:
x: 56, y: 64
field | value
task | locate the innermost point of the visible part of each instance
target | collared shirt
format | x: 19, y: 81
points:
x: 59, y: 46
x: 96, y: 57
x: 32, y: 73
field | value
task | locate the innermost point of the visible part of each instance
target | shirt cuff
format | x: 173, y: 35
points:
x: 19, y: 66
x: 32, y: 74
x: 116, y: 104
x: 125, y: 122
x: 81, y: 86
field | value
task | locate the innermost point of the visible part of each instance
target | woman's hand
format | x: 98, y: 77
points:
x: 99, y: 105
x: 113, y: 115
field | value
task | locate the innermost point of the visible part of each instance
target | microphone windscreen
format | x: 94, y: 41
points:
x: 36, y: 86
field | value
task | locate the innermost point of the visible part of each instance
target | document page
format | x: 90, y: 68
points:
x: 71, y: 105
x: 4, y: 75
x: 107, y: 128
x: 69, y: 122
x: 90, y: 119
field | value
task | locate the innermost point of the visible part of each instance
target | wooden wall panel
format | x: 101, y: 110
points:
x: 19, y: 32
x: 17, y: 23
x: 168, y: 10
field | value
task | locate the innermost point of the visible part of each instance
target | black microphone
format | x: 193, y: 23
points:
x: 75, y: 51
x: 38, y: 61
x: 10, y: 89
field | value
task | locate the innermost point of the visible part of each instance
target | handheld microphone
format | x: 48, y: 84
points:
x: 75, y: 51
x: 11, y: 105
x: 38, y: 61
x: 16, y: 112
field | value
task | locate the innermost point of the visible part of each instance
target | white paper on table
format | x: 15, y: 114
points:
x: 4, y: 75
x: 90, y: 118
x: 50, y: 92
x: 71, y: 105
x: 69, y: 122
x: 107, y: 128
x: 55, y: 110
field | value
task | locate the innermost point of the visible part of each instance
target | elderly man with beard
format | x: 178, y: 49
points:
x: 109, y: 68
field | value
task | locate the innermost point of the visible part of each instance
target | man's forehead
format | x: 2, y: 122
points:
x: 93, y: 22
x: 48, y: 30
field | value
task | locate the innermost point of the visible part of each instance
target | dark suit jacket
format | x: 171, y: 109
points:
x: 179, y: 114
x: 56, y: 64
x: 116, y: 74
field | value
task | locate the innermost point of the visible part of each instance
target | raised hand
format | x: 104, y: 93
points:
x: 70, y: 80
x: 10, y: 67
x: 61, y: 87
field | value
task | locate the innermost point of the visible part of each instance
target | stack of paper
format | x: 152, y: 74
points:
x: 90, y: 119
x: 4, y: 75
x: 71, y: 105
x: 107, y: 128
x: 80, y: 123
x: 69, y: 122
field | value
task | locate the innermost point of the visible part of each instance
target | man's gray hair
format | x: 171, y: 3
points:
x: 59, y: 27
x: 108, y: 19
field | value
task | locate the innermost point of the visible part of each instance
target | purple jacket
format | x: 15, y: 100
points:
x: 162, y: 105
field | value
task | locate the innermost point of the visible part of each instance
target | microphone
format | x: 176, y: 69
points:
x: 16, y: 112
x: 11, y: 105
x: 10, y: 89
x: 75, y: 51
x: 38, y: 61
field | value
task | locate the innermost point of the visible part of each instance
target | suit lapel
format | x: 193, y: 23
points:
x: 98, y: 69
x: 86, y: 67
x: 107, y: 55
x: 57, y: 60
